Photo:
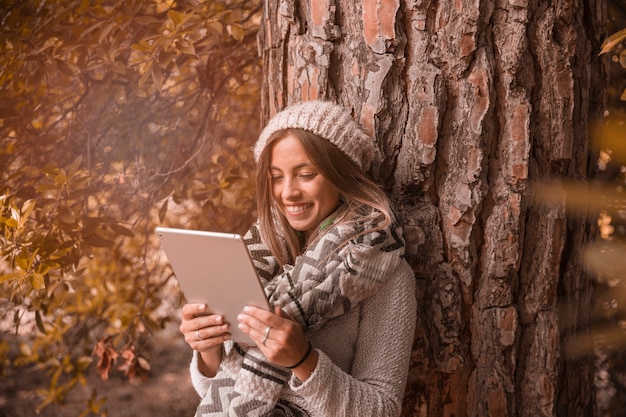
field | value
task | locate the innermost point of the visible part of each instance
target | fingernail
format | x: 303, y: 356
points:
x: 201, y: 307
x: 224, y: 327
x: 240, y: 317
x: 219, y: 319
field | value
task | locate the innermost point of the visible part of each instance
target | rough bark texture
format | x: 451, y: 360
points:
x: 470, y: 101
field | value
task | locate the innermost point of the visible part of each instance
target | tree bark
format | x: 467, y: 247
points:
x: 470, y: 103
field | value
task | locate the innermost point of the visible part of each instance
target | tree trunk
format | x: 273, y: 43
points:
x: 470, y: 102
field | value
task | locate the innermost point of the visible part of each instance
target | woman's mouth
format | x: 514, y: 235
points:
x: 296, y: 210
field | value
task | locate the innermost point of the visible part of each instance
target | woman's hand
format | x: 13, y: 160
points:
x: 280, y: 339
x: 204, y: 333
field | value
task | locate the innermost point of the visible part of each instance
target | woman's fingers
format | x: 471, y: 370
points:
x: 189, y: 311
x: 202, y: 330
x: 280, y: 338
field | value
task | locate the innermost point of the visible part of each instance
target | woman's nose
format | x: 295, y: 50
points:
x: 290, y: 188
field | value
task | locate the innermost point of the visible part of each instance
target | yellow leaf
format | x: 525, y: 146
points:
x: 176, y: 17
x: 61, y: 178
x: 27, y: 208
x: 613, y: 40
x: 142, y: 46
x: 10, y: 276
x: 37, y: 281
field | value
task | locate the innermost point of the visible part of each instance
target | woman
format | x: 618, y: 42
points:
x: 330, y: 253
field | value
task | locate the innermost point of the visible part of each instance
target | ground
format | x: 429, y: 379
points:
x: 167, y: 392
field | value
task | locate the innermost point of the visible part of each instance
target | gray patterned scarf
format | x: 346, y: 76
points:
x: 333, y: 275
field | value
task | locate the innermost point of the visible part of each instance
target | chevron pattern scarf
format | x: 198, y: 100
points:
x: 333, y: 275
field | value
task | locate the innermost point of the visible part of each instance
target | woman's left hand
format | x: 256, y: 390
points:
x: 279, y: 337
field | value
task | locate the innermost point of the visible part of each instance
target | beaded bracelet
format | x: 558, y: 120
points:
x: 306, y: 355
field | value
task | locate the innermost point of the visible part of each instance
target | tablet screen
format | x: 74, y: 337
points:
x: 216, y: 269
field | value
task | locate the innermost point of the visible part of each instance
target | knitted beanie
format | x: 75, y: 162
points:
x: 328, y: 121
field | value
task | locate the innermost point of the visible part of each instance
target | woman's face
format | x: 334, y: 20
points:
x: 302, y: 194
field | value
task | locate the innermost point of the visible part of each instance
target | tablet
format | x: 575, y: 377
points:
x: 216, y: 269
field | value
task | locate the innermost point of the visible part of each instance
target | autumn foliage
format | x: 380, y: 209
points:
x: 115, y: 117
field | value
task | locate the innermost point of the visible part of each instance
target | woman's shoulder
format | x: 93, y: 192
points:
x: 372, y: 228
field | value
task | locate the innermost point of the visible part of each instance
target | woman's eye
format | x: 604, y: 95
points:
x: 307, y: 176
x: 275, y: 178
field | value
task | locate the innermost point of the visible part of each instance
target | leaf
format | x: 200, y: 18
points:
x: 27, y: 208
x: 91, y: 29
x: 143, y: 363
x: 105, y: 32
x: 60, y: 178
x: 66, y: 215
x: 215, y: 27
x: 37, y: 281
x: 73, y: 169
x: 187, y: 48
x: 39, y: 322
x: 236, y: 31
x: 176, y: 17
x: 121, y: 230
x: 41, y: 188
x: 11, y: 276
x: 613, y: 40
x: 106, y: 357
x: 142, y: 46
x: 11, y: 223
x: 146, y: 20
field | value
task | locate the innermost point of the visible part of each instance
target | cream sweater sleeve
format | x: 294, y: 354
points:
x: 375, y: 386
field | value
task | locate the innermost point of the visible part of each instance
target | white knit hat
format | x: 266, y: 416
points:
x: 328, y: 121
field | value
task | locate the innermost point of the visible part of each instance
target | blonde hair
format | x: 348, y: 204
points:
x: 363, y: 200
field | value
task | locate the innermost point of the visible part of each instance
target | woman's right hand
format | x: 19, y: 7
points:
x: 204, y: 333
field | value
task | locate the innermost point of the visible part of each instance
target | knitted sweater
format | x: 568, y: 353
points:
x: 362, y: 327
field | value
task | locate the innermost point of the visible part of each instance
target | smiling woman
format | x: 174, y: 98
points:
x: 331, y: 256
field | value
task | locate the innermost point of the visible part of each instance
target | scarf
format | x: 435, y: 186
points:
x: 333, y: 275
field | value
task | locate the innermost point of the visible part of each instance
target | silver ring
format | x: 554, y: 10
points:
x: 267, y: 334
x: 198, y: 335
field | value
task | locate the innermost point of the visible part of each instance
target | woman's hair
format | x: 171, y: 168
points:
x: 363, y: 200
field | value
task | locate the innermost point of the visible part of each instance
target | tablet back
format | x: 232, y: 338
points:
x: 215, y: 269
